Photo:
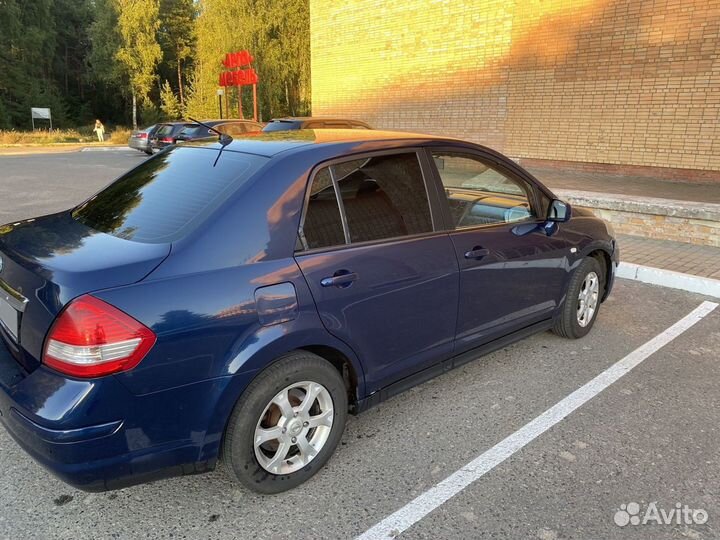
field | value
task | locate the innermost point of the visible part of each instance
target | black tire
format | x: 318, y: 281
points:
x: 238, y: 454
x: 567, y: 324
x: 148, y: 152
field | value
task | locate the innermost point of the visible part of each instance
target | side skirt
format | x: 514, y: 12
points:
x: 451, y: 363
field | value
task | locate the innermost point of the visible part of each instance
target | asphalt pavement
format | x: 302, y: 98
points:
x: 648, y: 441
x: 39, y: 184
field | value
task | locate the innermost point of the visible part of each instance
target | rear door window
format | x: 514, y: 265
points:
x: 169, y: 195
x: 382, y: 197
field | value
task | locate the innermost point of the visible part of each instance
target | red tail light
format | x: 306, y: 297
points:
x: 142, y: 135
x: 91, y: 338
x: 167, y: 139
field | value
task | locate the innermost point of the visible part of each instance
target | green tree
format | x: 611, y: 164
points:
x: 139, y: 51
x: 169, y: 102
x: 177, y: 40
x: 276, y: 32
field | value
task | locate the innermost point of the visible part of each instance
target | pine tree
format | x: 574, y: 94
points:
x: 169, y: 102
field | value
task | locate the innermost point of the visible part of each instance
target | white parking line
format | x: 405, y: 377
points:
x: 417, y: 509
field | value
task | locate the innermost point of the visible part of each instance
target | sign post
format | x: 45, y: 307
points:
x: 40, y: 113
x: 255, y: 111
x: 220, y: 93
x: 240, y: 73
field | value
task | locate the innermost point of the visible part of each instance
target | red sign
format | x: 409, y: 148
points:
x: 242, y: 75
x: 238, y: 59
x: 238, y: 78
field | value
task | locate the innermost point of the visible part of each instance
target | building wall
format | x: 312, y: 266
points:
x: 606, y: 81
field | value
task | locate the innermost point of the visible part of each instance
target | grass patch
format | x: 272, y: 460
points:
x: 119, y: 135
x: 46, y: 137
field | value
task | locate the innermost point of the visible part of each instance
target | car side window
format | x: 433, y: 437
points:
x: 480, y: 194
x: 322, y: 225
x: 382, y: 197
x: 228, y: 129
x: 240, y: 128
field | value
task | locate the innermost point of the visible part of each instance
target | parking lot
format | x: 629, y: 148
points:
x: 650, y: 437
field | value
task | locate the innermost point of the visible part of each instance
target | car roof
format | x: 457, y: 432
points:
x: 272, y: 143
x: 230, y: 120
x: 314, y: 119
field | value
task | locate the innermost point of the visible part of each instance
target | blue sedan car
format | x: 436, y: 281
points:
x: 237, y: 300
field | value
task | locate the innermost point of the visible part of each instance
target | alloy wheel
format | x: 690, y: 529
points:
x: 588, y: 299
x: 294, y: 427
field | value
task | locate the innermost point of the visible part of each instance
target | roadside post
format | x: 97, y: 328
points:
x: 220, y: 93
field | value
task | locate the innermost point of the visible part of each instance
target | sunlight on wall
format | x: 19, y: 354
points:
x: 617, y: 81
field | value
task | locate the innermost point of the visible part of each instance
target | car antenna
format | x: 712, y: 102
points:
x: 223, y: 138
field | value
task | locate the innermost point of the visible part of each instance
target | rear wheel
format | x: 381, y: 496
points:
x: 582, y: 301
x: 287, y: 424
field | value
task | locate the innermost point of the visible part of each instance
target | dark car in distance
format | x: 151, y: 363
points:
x: 140, y: 139
x: 234, y: 128
x: 239, y: 299
x: 166, y: 134
x: 308, y: 122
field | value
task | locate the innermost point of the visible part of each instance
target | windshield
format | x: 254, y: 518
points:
x: 167, y: 196
x: 281, y: 126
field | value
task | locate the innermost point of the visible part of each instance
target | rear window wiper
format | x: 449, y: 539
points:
x: 223, y: 138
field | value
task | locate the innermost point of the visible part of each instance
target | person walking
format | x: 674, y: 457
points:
x: 100, y: 130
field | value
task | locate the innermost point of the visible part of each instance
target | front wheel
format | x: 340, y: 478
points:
x: 582, y: 301
x: 287, y: 424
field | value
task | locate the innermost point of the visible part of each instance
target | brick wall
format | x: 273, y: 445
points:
x: 634, y: 82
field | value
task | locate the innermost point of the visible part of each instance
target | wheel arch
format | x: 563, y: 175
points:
x: 318, y: 342
x: 604, y: 258
x: 344, y: 366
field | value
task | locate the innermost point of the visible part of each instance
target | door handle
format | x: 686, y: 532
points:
x: 341, y: 280
x: 477, y: 253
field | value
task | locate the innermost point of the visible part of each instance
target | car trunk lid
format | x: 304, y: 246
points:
x: 46, y: 262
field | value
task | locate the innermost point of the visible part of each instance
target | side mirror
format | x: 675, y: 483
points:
x: 559, y: 211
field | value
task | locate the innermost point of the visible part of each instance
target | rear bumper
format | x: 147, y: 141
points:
x: 139, y: 144
x: 96, y: 436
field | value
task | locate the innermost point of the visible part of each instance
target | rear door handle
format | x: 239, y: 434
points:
x: 477, y: 253
x: 339, y: 280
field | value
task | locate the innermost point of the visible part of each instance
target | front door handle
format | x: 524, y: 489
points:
x: 340, y: 279
x: 477, y: 253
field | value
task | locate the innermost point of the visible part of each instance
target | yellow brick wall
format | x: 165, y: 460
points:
x: 625, y: 81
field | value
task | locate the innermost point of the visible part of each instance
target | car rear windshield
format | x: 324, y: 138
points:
x: 281, y: 125
x: 169, y: 129
x: 194, y: 131
x: 169, y: 195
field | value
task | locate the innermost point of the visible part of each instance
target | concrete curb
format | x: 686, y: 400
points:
x: 105, y: 148
x: 669, y: 278
x: 642, y: 205
x: 57, y: 149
